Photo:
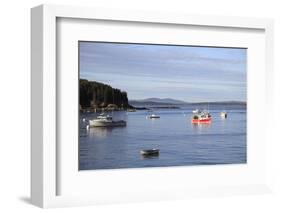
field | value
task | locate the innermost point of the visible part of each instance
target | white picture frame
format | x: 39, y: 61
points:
x: 44, y: 148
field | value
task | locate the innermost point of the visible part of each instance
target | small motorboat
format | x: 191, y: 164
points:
x: 150, y: 152
x: 201, y: 117
x: 106, y: 121
x: 153, y: 116
x: 223, y: 115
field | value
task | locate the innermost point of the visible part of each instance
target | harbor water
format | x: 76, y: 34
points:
x: 180, y: 142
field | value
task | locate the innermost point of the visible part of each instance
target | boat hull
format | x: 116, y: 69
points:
x: 98, y: 123
x: 151, y: 117
x: 201, y: 121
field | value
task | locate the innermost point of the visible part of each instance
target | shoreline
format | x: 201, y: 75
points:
x: 133, y: 109
x: 144, y: 106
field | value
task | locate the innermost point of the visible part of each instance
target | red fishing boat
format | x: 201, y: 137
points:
x: 201, y: 117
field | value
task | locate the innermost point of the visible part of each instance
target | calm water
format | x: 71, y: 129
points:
x: 180, y: 142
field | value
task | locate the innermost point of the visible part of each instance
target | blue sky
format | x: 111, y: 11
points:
x: 186, y: 73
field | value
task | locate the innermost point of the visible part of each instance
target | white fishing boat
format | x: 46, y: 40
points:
x: 223, y: 114
x: 106, y: 121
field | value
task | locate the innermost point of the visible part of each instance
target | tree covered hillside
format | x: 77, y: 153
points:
x: 98, y: 95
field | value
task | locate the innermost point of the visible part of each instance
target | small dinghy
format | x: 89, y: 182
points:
x: 153, y: 116
x: 150, y: 152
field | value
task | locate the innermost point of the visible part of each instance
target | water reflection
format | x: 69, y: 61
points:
x: 200, y: 128
x: 83, y: 132
x: 146, y: 157
x: 102, y: 132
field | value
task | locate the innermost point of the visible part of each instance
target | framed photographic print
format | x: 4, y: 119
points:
x: 155, y: 105
x: 130, y: 106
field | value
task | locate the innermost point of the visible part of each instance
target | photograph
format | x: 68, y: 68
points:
x: 161, y: 105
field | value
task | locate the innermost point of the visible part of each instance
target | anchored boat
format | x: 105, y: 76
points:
x: 201, y: 117
x: 149, y: 152
x: 153, y: 116
x: 106, y: 121
x: 223, y: 115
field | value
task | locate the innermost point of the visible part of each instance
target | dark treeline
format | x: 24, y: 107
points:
x: 98, y: 95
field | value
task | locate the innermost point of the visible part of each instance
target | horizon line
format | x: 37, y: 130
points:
x: 189, y: 101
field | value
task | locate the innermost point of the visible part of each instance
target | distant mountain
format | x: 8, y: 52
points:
x: 157, y: 101
x: 221, y: 102
x: 171, y: 102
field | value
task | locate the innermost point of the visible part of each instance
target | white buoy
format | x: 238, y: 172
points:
x: 87, y: 127
x: 84, y: 119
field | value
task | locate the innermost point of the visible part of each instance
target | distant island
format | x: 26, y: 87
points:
x: 159, y: 101
x: 170, y: 103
